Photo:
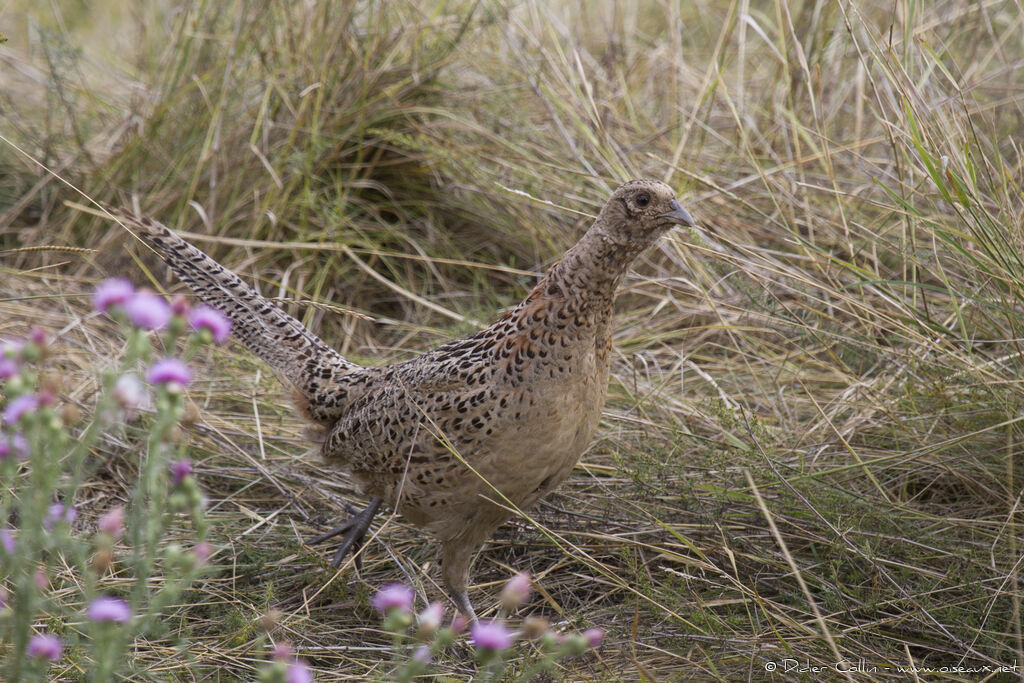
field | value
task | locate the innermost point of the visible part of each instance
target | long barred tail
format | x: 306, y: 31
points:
x: 322, y: 378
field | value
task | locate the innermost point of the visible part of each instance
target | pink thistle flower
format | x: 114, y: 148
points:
x: 8, y: 367
x: 282, y: 651
x: 594, y: 636
x: 490, y: 635
x: 393, y: 596
x: 58, y: 512
x: 130, y: 392
x: 148, y: 311
x: 13, y: 444
x: 7, y: 542
x: 180, y: 469
x: 112, y: 522
x: 113, y: 292
x: 105, y: 608
x: 45, y: 646
x: 206, y: 318
x: 422, y: 654
x: 168, y: 371
x: 179, y: 306
x: 37, y: 335
x: 12, y: 348
x: 430, y: 618
x: 459, y: 623
x: 516, y: 591
x: 18, y: 407
x: 298, y: 671
x: 202, y: 551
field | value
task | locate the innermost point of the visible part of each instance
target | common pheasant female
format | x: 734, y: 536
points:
x: 457, y: 437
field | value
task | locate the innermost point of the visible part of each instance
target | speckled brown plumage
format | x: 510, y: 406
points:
x: 502, y: 414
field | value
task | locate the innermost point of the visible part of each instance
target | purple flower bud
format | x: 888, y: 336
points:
x: 179, y: 306
x: 282, y: 651
x: 459, y: 623
x: 13, y: 444
x: 105, y: 608
x: 58, y: 512
x: 130, y: 393
x: 393, y: 596
x: 298, y: 672
x: 206, y: 318
x: 37, y: 335
x: 422, y: 654
x: 53, y: 514
x: 7, y: 542
x: 11, y: 348
x: 169, y: 370
x: 45, y: 646
x: 490, y: 635
x: 8, y: 368
x: 430, y: 619
x: 19, y: 406
x: 594, y: 636
x: 202, y: 551
x: 148, y: 311
x: 180, y: 469
x: 113, y: 292
x: 112, y: 522
x: 516, y: 591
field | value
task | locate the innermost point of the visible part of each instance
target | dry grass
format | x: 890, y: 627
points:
x: 815, y: 415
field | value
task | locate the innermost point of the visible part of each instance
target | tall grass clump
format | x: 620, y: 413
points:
x: 309, y: 126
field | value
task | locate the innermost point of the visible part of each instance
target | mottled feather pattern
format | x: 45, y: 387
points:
x: 510, y: 408
x: 323, y: 381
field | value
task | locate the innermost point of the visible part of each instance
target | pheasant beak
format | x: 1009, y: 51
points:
x: 678, y: 214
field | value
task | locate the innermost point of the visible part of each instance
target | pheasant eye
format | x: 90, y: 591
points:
x: 642, y: 199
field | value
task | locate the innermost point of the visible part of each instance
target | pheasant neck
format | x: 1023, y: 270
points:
x: 592, y: 270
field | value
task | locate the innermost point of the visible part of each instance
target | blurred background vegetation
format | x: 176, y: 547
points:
x: 815, y: 413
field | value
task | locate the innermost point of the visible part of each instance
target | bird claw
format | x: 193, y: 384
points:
x: 355, y: 529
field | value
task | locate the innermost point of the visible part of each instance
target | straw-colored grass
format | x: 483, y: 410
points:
x: 810, y: 445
